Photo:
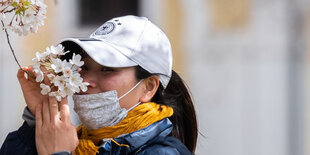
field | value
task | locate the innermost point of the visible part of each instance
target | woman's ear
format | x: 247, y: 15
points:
x: 151, y: 85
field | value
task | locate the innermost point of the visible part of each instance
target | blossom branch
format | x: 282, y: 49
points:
x: 12, y: 50
x: 8, y: 11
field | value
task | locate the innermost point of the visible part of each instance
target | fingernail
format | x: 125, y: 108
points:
x: 26, y: 68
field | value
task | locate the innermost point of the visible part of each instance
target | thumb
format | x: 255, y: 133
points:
x: 21, y: 74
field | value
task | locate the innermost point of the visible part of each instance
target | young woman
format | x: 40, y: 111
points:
x: 135, y: 102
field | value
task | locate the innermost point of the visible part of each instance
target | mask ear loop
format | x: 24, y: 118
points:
x: 129, y: 92
x: 130, y: 89
x: 133, y: 106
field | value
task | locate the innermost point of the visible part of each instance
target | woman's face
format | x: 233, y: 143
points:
x: 102, y: 79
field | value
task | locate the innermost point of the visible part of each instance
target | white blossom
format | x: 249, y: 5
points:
x: 40, y: 57
x: 40, y: 75
x: 17, y: 29
x: 36, y: 66
x: 67, y: 72
x: 28, y: 15
x: 83, y: 86
x: 58, y: 65
x: 37, y: 58
x: 44, y: 55
x: 56, y: 51
x: 76, y: 60
x: 51, y: 77
x: 45, y: 89
x: 62, y: 74
x: 75, y: 80
x: 60, y: 81
x: 66, y: 91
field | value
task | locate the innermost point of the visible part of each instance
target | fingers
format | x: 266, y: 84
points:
x: 50, y: 111
x: 53, y: 107
x: 64, y: 110
x: 46, y: 112
x: 39, y: 116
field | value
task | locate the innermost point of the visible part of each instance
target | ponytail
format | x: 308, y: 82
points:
x: 177, y: 96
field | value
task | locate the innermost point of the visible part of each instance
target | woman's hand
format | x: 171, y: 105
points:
x: 31, y: 89
x: 54, y: 132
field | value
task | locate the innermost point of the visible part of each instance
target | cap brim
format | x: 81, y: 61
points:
x: 101, y: 52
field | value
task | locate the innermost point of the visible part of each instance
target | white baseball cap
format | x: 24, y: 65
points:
x: 130, y: 41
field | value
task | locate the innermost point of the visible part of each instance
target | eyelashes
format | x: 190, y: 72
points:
x: 107, y: 69
x: 103, y: 69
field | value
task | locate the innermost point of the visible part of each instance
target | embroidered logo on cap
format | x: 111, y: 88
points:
x: 105, y: 29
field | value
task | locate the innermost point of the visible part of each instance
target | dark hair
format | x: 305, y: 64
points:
x: 177, y: 96
x: 73, y: 48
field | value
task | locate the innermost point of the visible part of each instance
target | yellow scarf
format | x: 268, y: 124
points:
x: 140, y: 117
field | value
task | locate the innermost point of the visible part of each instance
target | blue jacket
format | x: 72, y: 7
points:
x: 152, y: 139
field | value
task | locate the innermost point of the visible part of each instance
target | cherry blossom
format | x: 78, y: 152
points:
x: 76, y: 60
x: 55, y: 51
x: 45, y: 89
x: 28, y: 15
x: 57, y: 65
x: 40, y: 75
x: 67, y: 72
x: 51, y: 77
x: 61, y: 74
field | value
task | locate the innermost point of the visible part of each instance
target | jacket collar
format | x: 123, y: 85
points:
x: 139, y: 138
x: 158, y: 129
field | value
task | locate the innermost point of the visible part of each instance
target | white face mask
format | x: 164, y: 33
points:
x: 102, y: 109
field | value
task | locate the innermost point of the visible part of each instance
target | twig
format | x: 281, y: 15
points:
x: 8, y: 11
x: 12, y: 50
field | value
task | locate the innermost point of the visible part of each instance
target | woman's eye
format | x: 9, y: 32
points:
x: 107, y: 69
